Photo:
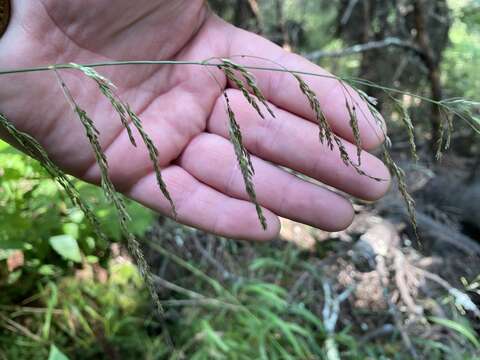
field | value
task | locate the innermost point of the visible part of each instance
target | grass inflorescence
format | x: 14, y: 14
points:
x: 110, y: 192
x: 244, y: 160
x: 407, y: 121
x: 242, y: 78
x: 239, y: 75
x: 127, y: 117
x: 327, y: 134
x: 325, y: 131
x: 34, y: 149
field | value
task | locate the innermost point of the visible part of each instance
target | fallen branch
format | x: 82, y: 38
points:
x: 360, y: 48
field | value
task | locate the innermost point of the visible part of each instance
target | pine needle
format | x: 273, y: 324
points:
x: 244, y: 160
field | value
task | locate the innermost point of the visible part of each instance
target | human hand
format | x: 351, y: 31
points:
x: 183, y: 110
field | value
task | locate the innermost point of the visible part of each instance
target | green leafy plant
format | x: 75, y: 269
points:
x: 81, y: 317
x: 43, y: 234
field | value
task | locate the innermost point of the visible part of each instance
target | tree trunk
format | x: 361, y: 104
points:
x: 247, y: 15
x: 433, y: 66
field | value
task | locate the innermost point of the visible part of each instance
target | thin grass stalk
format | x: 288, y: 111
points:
x: 244, y: 160
x: 461, y: 108
x: 399, y: 173
x: 229, y: 68
x: 111, y: 194
x: 407, y: 121
x: 33, y: 149
x: 127, y: 117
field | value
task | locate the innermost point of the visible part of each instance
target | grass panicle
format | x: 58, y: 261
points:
x: 128, y: 117
x: 246, y: 82
x: 153, y: 153
x: 325, y: 131
x: 252, y: 93
x: 394, y: 168
x: 111, y: 194
x: 450, y: 109
x: 399, y: 174
x: 445, y: 132
x: 407, y: 121
x: 244, y: 160
x: 466, y: 110
x: 107, y: 89
x: 352, y: 113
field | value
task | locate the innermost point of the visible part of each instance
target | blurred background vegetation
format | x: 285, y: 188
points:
x: 367, y: 292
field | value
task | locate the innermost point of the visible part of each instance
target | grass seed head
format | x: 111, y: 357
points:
x: 244, y: 160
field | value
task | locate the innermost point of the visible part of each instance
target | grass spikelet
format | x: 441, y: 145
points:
x: 153, y: 153
x: 33, y: 149
x: 111, y: 194
x: 127, y: 116
x: 399, y: 173
x: 445, y: 132
x: 229, y: 68
x: 244, y: 160
x: 107, y: 89
x: 465, y: 110
x: 352, y: 113
x: 407, y: 121
x: 325, y: 131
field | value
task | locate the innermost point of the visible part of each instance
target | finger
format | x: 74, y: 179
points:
x: 282, y: 89
x: 203, y: 207
x: 291, y: 141
x: 211, y: 159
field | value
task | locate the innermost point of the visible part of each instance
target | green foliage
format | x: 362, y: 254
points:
x: 56, y: 354
x: 463, y: 329
x: 49, y: 232
x: 83, y: 318
x: 462, y: 58
x: 67, y: 247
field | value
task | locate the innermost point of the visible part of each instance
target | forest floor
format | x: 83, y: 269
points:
x: 397, y: 281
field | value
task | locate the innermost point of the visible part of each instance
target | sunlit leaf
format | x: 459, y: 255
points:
x: 67, y: 247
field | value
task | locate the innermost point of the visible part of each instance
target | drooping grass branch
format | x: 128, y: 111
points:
x: 32, y: 148
x: 127, y: 117
x: 241, y: 76
x: 244, y: 160
x: 112, y: 195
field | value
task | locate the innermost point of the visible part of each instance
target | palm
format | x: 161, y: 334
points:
x: 182, y: 110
